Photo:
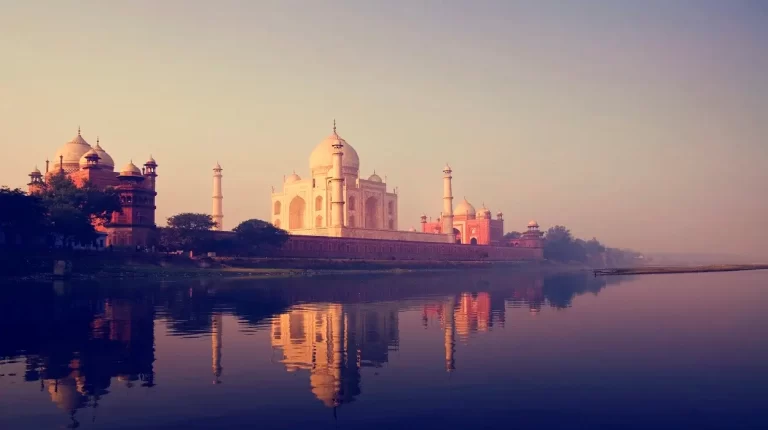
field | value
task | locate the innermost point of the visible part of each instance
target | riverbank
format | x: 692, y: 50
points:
x: 678, y: 269
x: 128, y: 265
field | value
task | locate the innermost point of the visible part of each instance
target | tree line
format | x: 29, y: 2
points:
x: 560, y: 245
x: 193, y: 232
x: 59, y: 211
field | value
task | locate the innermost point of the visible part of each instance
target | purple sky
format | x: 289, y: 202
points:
x: 641, y: 123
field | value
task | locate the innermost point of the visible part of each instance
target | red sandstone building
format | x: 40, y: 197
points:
x: 82, y: 163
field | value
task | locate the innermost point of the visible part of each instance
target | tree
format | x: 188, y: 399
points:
x: 258, y: 235
x: 74, y: 211
x: 187, y: 232
x: 22, y: 218
x: 513, y: 235
x: 191, y: 222
x: 559, y: 245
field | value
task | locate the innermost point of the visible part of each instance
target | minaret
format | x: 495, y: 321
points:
x: 218, y: 211
x: 447, y: 216
x: 337, y: 182
x: 216, y: 335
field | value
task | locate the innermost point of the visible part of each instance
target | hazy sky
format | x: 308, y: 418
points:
x: 643, y: 123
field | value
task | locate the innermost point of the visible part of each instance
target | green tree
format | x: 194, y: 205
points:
x: 74, y: 211
x: 512, y: 235
x: 23, y: 218
x: 255, y: 235
x: 187, y: 232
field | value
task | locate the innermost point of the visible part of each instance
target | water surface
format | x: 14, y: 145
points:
x: 461, y: 350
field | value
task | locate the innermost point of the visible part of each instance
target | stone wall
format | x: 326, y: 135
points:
x: 371, y: 249
x: 370, y: 233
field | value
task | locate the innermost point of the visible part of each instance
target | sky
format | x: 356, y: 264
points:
x: 643, y: 124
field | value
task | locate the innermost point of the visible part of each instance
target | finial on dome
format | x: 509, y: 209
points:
x: 97, y: 140
x: 334, y: 126
x: 78, y: 130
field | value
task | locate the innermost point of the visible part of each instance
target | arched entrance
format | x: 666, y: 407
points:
x: 473, y: 241
x: 372, y: 213
x: 296, y: 211
x: 456, y: 235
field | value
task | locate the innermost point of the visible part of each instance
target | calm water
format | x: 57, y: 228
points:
x: 472, y: 350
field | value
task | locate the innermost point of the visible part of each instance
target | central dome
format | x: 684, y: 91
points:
x: 321, y: 160
x: 70, y: 153
x: 464, y: 208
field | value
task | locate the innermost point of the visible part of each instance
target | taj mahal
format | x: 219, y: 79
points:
x: 335, y: 201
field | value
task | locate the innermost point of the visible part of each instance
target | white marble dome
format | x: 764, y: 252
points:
x: 293, y: 177
x: 375, y: 178
x: 84, y: 158
x: 105, y: 160
x: 71, y: 153
x: 130, y: 169
x: 533, y: 224
x: 321, y: 159
x: 464, y: 208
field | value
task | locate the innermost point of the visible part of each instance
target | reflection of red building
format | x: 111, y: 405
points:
x: 84, y: 164
x: 470, y: 226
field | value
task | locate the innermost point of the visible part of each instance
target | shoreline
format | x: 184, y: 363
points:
x: 668, y: 270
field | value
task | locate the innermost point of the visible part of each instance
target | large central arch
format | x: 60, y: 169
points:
x: 296, y: 211
x: 372, y: 213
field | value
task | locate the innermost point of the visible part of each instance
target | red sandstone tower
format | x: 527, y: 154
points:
x: 135, y: 224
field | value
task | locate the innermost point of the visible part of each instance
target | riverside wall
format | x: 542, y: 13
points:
x: 378, y: 249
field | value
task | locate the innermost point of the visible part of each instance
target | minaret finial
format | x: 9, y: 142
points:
x: 97, y: 140
x: 78, y: 130
x: 334, y: 125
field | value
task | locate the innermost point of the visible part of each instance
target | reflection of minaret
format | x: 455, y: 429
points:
x: 216, y: 338
x: 449, y: 334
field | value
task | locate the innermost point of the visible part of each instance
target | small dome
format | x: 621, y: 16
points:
x: 130, y: 169
x: 152, y: 162
x: 105, y: 160
x: 293, y: 177
x: 90, y: 154
x: 464, y: 208
x: 36, y: 171
x: 375, y: 177
x: 321, y: 159
x: 533, y: 224
x: 484, y: 212
x: 71, y: 152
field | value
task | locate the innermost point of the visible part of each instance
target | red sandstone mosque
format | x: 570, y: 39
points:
x: 83, y: 163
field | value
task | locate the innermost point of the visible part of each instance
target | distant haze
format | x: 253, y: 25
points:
x: 642, y: 123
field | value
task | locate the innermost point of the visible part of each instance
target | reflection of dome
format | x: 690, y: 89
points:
x: 105, y: 160
x: 375, y: 177
x: 130, y: 169
x: 293, y: 177
x: 326, y: 388
x: 90, y: 154
x: 71, y: 153
x: 321, y: 159
x: 64, y: 392
x: 533, y: 224
x: 464, y: 208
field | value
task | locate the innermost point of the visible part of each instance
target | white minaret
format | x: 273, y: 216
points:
x: 337, y: 181
x: 218, y: 211
x: 447, y: 201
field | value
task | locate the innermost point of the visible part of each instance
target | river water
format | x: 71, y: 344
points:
x: 467, y: 350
